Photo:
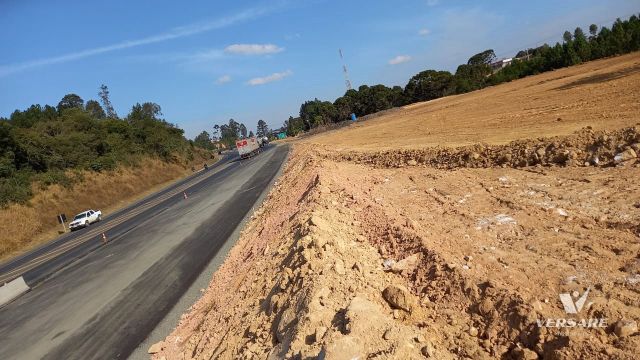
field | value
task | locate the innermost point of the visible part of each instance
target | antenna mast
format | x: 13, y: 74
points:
x: 344, y: 70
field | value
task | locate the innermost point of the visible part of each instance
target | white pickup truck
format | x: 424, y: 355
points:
x: 85, y: 219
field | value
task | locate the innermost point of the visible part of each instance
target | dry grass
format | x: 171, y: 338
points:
x: 26, y: 226
x: 604, y: 94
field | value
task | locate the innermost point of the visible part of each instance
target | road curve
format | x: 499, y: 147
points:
x: 99, y: 301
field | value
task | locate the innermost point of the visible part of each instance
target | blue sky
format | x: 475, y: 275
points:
x: 205, y: 62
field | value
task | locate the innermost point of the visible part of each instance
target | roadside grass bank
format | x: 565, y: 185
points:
x: 25, y: 226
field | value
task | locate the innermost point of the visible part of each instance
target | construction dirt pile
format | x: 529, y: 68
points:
x: 367, y: 248
x: 346, y: 260
x: 584, y: 148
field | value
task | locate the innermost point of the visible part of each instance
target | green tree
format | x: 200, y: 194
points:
x: 95, y: 110
x: 262, y: 129
x: 7, y: 150
x: 243, y: 131
x: 152, y: 110
x: 33, y: 115
x: 554, y: 58
x: 483, y: 58
x: 581, y: 45
x: 203, y: 140
x: 154, y: 134
x: 315, y: 113
x: 216, y: 132
x: 428, y: 85
x: 40, y: 144
x: 106, y: 102
x: 566, y: 36
x: 397, y: 96
x: 294, y: 126
x: 593, y: 30
x: 377, y: 98
x: 70, y: 101
x: 472, y: 75
x: 344, y: 108
x: 230, y: 132
x: 578, y: 34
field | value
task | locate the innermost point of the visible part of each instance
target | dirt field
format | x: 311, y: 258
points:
x: 377, y: 244
x: 604, y: 94
x: 26, y: 226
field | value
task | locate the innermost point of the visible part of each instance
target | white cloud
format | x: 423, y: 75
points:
x: 270, y: 78
x: 432, y: 2
x: 253, y: 49
x: 400, y: 59
x: 172, y: 34
x: 223, y: 79
x: 424, y: 32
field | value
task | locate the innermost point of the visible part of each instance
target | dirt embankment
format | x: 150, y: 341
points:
x: 345, y: 259
x: 584, y: 148
x: 26, y: 226
x: 372, y: 246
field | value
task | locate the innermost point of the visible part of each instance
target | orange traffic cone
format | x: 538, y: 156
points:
x: 104, y: 238
x: 184, y: 194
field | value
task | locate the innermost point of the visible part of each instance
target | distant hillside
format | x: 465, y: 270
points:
x: 480, y: 71
x: 46, y: 145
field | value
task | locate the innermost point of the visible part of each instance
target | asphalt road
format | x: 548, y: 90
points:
x: 41, y: 262
x: 99, y: 301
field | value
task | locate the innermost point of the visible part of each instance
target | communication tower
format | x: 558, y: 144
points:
x: 347, y: 82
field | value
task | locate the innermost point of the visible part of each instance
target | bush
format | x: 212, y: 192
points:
x: 16, y: 189
x: 44, y: 145
x: 51, y: 178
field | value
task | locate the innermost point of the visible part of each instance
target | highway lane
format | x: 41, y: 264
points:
x: 38, y: 263
x: 104, y: 304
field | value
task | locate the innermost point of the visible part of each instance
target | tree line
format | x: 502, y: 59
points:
x: 228, y: 133
x: 577, y: 47
x: 43, y: 143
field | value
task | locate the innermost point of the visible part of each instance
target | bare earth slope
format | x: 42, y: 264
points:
x: 604, y: 94
x: 445, y: 230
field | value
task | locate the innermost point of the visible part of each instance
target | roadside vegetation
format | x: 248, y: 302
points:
x: 225, y: 135
x: 47, y: 145
x: 577, y: 47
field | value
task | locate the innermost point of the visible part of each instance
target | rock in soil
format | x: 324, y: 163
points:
x: 399, y: 297
x: 624, y: 328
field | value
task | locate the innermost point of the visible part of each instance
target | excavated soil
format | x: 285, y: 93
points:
x: 583, y: 148
x: 433, y: 252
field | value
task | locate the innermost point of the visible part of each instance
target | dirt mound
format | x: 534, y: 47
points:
x: 422, y: 262
x: 584, y: 148
x: 316, y: 291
